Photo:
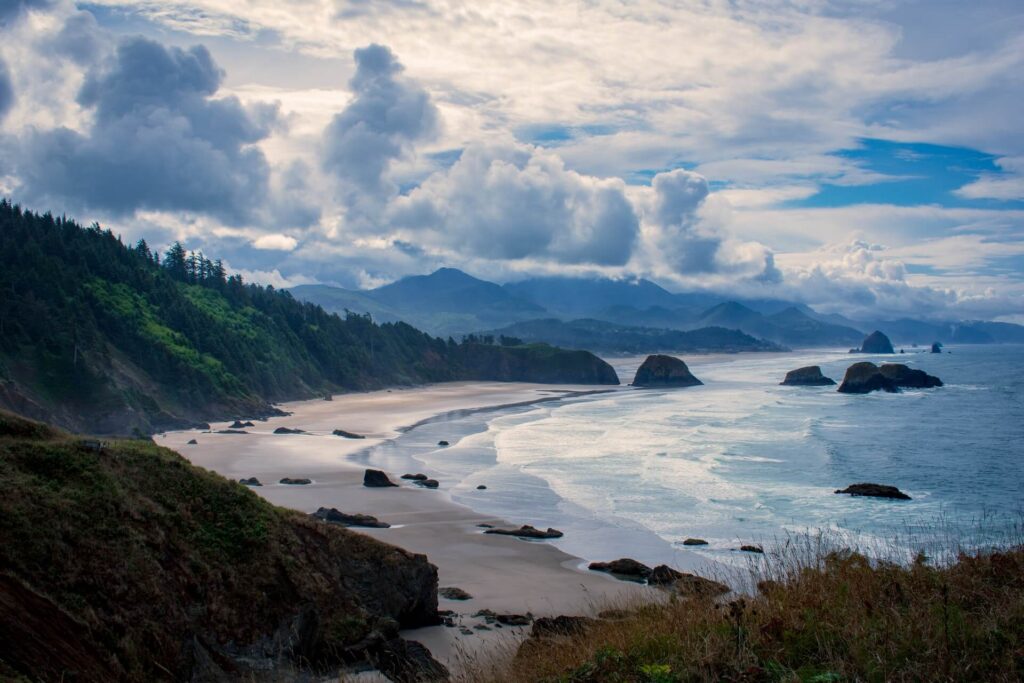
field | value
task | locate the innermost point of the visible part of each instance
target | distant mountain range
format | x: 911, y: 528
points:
x: 450, y: 302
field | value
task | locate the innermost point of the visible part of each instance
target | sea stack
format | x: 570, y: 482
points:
x: 909, y: 378
x: 937, y: 347
x: 864, y: 377
x: 664, y: 371
x: 876, y: 342
x: 809, y: 376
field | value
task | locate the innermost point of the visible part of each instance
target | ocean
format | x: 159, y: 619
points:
x: 742, y: 460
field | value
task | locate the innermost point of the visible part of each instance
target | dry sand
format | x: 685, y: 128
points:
x: 503, y: 574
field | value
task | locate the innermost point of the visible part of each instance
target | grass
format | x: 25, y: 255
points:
x: 818, y: 614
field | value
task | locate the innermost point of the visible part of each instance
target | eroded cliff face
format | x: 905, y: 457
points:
x: 124, y: 562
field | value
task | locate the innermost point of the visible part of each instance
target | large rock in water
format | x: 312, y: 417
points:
x: 664, y: 371
x: 865, y: 377
x: 809, y: 376
x: 936, y: 347
x: 623, y: 568
x: 909, y: 378
x: 874, y: 491
x: 876, y: 342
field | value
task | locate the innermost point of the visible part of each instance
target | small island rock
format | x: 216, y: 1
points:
x: 286, y: 430
x: 333, y: 516
x: 664, y: 371
x: 752, y: 549
x: 809, y: 376
x: 865, y: 377
x: 936, y: 347
x: 251, y: 481
x: 909, y: 378
x: 874, y: 491
x: 347, y: 435
x: 376, y: 479
x: 443, y: 443
x: 296, y: 482
x: 876, y: 342
x: 695, y: 541
x: 428, y: 483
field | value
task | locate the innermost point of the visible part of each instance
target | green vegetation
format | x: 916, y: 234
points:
x: 124, y: 562
x: 99, y: 336
x: 837, y: 618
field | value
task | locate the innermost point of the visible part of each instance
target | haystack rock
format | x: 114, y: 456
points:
x: 809, y: 376
x: 876, y: 342
x: 936, y: 347
x: 664, y: 371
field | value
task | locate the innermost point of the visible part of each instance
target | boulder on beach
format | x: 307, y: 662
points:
x: 936, y: 347
x: 192, y: 442
x: 333, y: 516
x: 623, y: 568
x: 286, y: 430
x: 809, y: 376
x: 874, y: 491
x: 454, y: 593
x: 664, y: 371
x: 296, y: 482
x: 695, y: 541
x: 428, y: 483
x: 376, y: 479
x: 347, y: 435
x: 204, y: 426
x: 909, y: 378
x: 415, y: 477
x: 752, y: 549
x: 865, y: 377
x: 663, y: 575
x: 238, y: 424
x: 526, y: 531
x: 232, y: 431
x: 481, y: 487
x: 876, y: 342
x: 251, y: 481
x: 443, y: 443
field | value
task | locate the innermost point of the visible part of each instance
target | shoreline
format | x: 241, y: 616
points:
x: 504, y: 574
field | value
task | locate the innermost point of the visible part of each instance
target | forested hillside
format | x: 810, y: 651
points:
x: 96, y: 335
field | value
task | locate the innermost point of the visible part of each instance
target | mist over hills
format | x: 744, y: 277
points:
x: 450, y: 302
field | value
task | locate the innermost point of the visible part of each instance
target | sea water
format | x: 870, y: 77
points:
x: 743, y: 460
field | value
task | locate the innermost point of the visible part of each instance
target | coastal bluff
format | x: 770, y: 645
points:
x: 664, y: 371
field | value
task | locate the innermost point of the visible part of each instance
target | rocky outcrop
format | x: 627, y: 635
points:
x: 454, y: 593
x: 752, y: 549
x: 936, y: 347
x: 562, y: 625
x: 377, y: 479
x: 251, y: 481
x: 287, y: 430
x: 527, y: 531
x: 481, y: 487
x: 238, y: 424
x: 809, y: 376
x: 695, y: 541
x: 296, y: 481
x: 415, y: 477
x: 909, y: 378
x: 406, y: 661
x: 347, y: 435
x: 192, y: 442
x: 874, y: 491
x: 443, y: 443
x: 334, y: 516
x: 623, y: 568
x: 427, y: 483
x: 876, y: 342
x: 691, y: 584
x: 664, y: 371
x: 865, y: 377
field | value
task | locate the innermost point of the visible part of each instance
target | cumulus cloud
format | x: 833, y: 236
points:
x: 275, y: 241
x: 11, y: 10
x: 388, y: 113
x: 159, y: 140
x: 513, y: 201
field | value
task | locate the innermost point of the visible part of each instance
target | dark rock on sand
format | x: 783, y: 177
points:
x: 936, y: 347
x: 562, y: 625
x: 625, y: 568
x: 663, y: 575
x: 865, y: 377
x: 695, y: 541
x: 251, y: 481
x: 407, y: 661
x: 527, y: 531
x: 376, y: 479
x: 238, y: 424
x: 486, y: 526
x: 333, y: 516
x: 752, y: 549
x: 192, y: 442
x: 876, y: 342
x: 347, y: 435
x: 443, y: 443
x: 454, y: 593
x: 481, y: 487
x: 232, y: 431
x: 874, y: 491
x: 204, y: 426
x: 809, y: 376
x: 909, y: 378
x: 664, y: 371
x: 286, y: 430
x: 415, y: 477
x: 296, y: 482
x: 428, y: 483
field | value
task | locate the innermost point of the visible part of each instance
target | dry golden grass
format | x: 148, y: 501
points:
x: 816, y: 614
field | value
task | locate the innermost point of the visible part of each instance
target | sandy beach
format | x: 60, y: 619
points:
x: 503, y: 574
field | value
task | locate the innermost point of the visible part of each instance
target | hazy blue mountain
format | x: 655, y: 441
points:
x: 572, y: 296
x: 790, y: 326
x: 338, y: 300
x: 606, y: 337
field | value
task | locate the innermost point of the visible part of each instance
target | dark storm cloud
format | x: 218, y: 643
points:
x: 159, y: 140
x: 387, y: 114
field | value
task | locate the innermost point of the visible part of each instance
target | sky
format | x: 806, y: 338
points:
x: 864, y: 157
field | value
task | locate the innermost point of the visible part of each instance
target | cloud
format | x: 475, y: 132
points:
x: 11, y: 10
x: 159, y: 140
x: 387, y: 114
x: 514, y: 201
x: 275, y: 241
x: 1006, y: 186
x: 6, y: 90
